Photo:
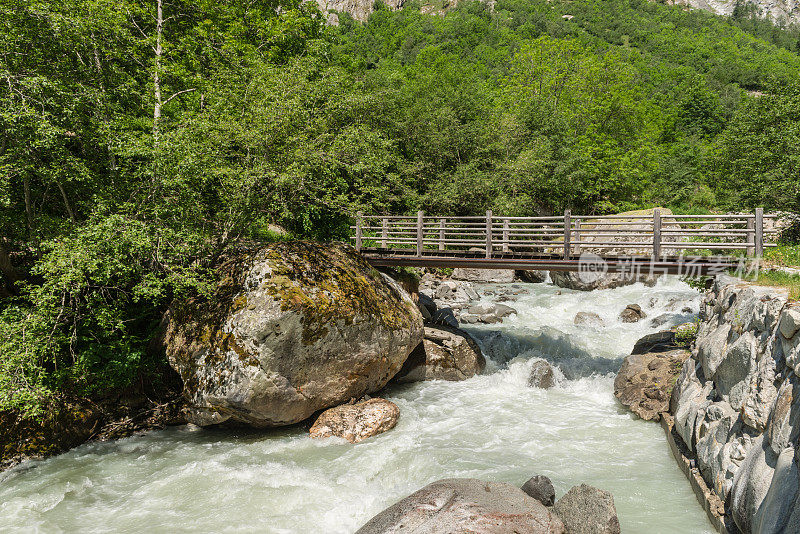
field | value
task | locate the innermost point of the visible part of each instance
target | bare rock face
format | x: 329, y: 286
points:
x: 292, y: 329
x: 466, y: 505
x: 358, y: 9
x: 644, y: 382
x: 356, y: 422
x: 446, y: 353
x: 788, y: 10
x: 588, y: 510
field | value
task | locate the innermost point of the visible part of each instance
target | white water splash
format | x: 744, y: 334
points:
x: 491, y: 426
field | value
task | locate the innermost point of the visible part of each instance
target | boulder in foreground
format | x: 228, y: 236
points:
x: 356, y: 422
x: 466, y: 505
x: 588, y: 510
x: 293, y: 328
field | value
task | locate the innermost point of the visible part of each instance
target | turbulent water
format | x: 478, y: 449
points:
x: 492, y: 427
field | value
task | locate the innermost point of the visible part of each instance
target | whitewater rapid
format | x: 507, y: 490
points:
x: 491, y: 426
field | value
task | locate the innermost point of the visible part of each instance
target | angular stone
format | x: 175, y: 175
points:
x: 783, y: 428
x: 588, y: 510
x: 790, y: 322
x: 356, y: 422
x: 501, y: 310
x: 644, y: 381
x: 446, y: 353
x: 540, y: 488
x: 732, y: 377
x: 632, y: 314
x: 711, y: 349
x: 483, y: 275
x: 751, y: 483
x: 779, y: 502
x: 656, y: 342
x: 466, y: 505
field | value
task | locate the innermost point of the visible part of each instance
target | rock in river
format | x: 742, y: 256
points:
x: 588, y: 510
x: 466, y: 505
x: 542, y: 375
x: 632, y: 313
x: 446, y: 353
x: 293, y: 328
x: 644, y: 383
x: 588, y: 318
x: 356, y: 422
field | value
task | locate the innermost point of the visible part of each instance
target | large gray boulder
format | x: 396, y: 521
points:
x: 293, y: 328
x: 466, y: 505
x: 588, y: 510
x: 644, y: 381
x: 446, y: 353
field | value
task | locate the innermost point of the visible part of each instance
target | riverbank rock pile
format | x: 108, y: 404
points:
x: 460, y: 299
x: 645, y: 381
x: 293, y: 328
x: 736, y: 404
x: 471, y: 505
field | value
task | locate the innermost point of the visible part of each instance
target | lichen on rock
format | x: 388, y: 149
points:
x: 293, y: 328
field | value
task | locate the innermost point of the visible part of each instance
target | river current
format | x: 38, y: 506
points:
x: 492, y: 427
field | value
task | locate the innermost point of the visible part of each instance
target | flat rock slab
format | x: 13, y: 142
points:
x: 644, y: 382
x: 466, y: 505
x: 356, y: 422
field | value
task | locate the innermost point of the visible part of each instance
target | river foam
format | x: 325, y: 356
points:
x: 491, y: 426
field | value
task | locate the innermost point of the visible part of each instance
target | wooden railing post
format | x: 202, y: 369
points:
x: 359, y: 221
x: 578, y: 236
x: 384, y: 232
x: 567, y: 232
x: 656, y: 233
x: 505, y: 235
x: 759, y: 244
x: 751, y: 236
x: 488, y: 234
x: 441, y: 234
x: 420, y: 216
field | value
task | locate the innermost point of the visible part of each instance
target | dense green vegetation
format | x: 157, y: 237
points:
x: 136, y: 149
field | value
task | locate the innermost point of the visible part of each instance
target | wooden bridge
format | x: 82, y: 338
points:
x: 690, y: 245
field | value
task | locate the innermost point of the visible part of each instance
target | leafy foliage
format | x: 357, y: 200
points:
x: 134, y: 154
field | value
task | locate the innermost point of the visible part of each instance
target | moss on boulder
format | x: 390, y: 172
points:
x: 293, y: 328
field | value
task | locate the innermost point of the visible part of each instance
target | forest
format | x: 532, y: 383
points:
x: 141, y: 141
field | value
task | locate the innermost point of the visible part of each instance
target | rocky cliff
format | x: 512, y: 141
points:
x: 736, y: 404
x: 788, y: 10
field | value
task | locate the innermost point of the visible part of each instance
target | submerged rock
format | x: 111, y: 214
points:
x: 542, y: 375
x: 293, y: 328
x: 588, y: 510
x: 632, y: 314
x: 540, y: 488
x: 446, y: 353
x: 466, y: 505
x: 356, y: 422
x: 532, y: 276
x: 588, y: 318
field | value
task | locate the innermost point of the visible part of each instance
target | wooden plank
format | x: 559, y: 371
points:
x: 384, y: 231
x: 567, y: 232
x: 751, y: 236
x: 442, y: 224
x: 759, y: 230
x: 420, y: 224
x: 656, y: 233
x: 488, y: 234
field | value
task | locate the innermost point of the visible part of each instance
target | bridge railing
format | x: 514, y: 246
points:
x: 491, y: 236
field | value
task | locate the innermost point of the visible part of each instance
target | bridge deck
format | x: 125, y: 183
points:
x: 672, y: 244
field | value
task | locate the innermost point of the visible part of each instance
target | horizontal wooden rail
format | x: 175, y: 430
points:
x: 566, y: 236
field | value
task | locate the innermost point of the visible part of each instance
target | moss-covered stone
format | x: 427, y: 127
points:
x: 297, y: 327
